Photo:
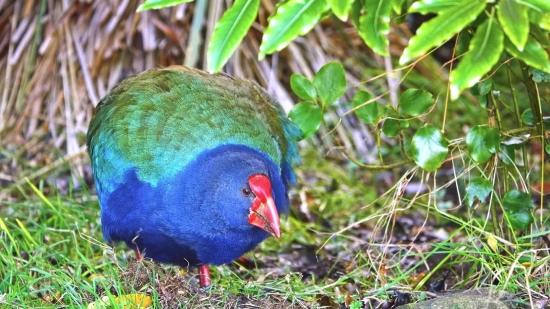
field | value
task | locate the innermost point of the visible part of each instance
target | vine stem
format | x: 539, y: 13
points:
x: 352, y: 159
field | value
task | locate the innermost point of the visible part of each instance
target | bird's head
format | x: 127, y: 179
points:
x: 236, y: 189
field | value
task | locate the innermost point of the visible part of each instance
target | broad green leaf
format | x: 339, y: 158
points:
x: 307, y: 116
x: 375, y: 25
x: 533, y: 54
x: 303, y: 87
x: 479, y: 188
x: 330, y: 82
x: 482, y: 143
x: 340, y: 8
x: 520, y: 220
x: 434, y: 6
x: 514, y: 21
x: 527, y: 117
x: 441, y: 28
x: 539, y: 76
x: 392, y: 126
x: 517, y: 201
x: 485, y: 86
x: 429, y: 148
x: 291, y: 19
x: 370, y: 113
x: 547, y: 149
x: 485, y: 49
x: 230, y: 31
x: 481, y: 91
x: 415, y: 102
x: 517, y: 206
x: 507, y: 154
x: 159, y: 4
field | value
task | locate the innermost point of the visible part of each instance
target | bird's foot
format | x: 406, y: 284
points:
x: 141, y: 260
x: 204, y: 276
x: 245, y: 262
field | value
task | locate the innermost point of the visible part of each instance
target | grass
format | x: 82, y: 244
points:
x: 52, y: 254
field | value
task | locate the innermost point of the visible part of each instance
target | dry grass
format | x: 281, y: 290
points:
x: 59, y: 58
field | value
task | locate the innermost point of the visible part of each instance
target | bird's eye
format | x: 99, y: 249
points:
x: 246, y: 192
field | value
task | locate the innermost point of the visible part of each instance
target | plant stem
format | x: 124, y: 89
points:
x: 365, y: 166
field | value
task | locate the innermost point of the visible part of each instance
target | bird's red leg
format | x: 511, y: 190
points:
x: 204, y: 276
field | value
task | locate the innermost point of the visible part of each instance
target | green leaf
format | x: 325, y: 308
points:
x: 547, y: 149
x: 533, y: 54
x: 375, y: 25
x: 370, y: 113
x: 539, y: 76
x: 541, y: 35
x: 230, y: 31
x: 441, y: 28
x: 542, y: 6
x: 482, y: 89
x: 507, y: 154
x: 415, y: 102
x: 392, y: 126
x: 464, y: 39
x: 159, y: 4
x: 340, y: 8
x: 485, y: 86
x: 479, y: 188
x: 434, y: 6
x: 356, y: 9
x: 482, y: 143
x: 429, y: 148
x: 397, y: 6
x: 307, y: 116
x: 485, y: 49
x: 303, y: 87
x: 291, y: 19
x: 527, y: 117
x: 514, y: 21
x: 517, y: 206
x: 541, y: 19
x: 517, y: 201
x: 330, y: 82
x: 520, y: 220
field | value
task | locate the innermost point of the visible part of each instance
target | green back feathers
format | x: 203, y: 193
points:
x: 160, y: 120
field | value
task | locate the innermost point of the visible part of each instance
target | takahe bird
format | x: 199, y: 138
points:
x: 191, y: 168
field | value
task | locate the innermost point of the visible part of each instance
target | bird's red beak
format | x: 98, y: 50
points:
x: 263, y: 212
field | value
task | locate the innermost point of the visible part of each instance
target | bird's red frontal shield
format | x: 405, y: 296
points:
x: 263, y: 212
